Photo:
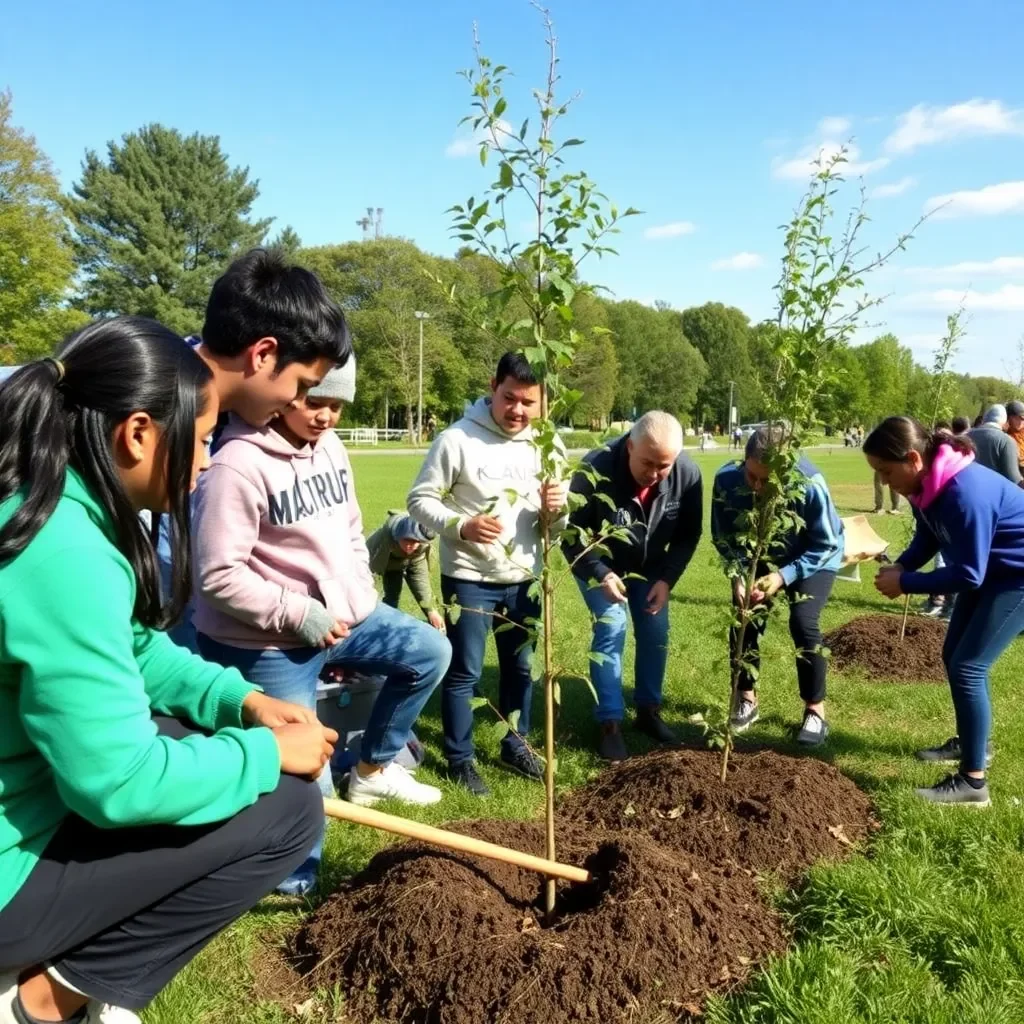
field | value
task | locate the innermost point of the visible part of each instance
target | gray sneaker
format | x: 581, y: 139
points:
x: 955, y: 789
x: 746, y: 715
x: 951, y: 753
x: 813, y: 730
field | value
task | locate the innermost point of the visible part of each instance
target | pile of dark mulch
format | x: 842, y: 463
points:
x: 434, y: 938
x: 775, y: 813
x: 872, y: 645
x: 673, y: 913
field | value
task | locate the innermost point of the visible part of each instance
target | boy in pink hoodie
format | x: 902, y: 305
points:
x: 283, y: 587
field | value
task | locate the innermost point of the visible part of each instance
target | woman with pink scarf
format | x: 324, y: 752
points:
x: 974, y: 518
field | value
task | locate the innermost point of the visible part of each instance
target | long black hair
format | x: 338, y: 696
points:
x: 895, y: 438
x: 61, y: 412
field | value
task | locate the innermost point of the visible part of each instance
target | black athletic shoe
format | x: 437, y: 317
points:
x: 951, y: 753
x: 522, y: 762
x: 813, y: 731
x: 465, y: 774
x: 649, y: 722
x: 611, y: 746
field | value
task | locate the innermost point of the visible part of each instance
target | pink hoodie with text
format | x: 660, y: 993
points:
x: 278, y: 542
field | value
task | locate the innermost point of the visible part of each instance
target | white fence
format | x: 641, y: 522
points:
x: 371, y: 435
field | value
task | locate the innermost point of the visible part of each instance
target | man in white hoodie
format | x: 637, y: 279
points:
x: 480, y: 490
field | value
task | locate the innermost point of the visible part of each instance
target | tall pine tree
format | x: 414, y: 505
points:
x: 157, y: 221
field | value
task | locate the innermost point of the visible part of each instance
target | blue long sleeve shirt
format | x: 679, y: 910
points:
x: 816, y: 546
x: 977, y: 522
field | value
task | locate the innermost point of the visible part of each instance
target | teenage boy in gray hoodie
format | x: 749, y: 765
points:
x: 480, y: 490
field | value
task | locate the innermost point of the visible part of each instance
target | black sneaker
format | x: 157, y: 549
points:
x: 951, y: 753
x: 465, y: 774
x: 955, y: 789
x: 649, y: 722
x: 813, y: 730
x: 611, y: 746
x: 522, y: 762
x: 747, y: 713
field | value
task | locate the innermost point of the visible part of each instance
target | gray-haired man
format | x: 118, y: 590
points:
x: 653, y: 493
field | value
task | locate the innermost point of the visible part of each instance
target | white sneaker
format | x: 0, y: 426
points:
x: 104, y: 1013
x: 8, y: 990
x: 393, y: 783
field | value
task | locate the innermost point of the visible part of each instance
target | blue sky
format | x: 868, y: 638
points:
x: 700, y: 114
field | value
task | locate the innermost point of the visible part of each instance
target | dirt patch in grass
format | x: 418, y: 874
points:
x: 872, y: 645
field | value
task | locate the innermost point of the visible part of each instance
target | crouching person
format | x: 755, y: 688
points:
x: 284, y: 588
x: 148, y: 799
x: 808, y: 557
x: 656, y: 493
x: 400, y: 553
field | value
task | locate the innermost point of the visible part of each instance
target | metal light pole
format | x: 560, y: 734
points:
x: 732, y: 386
x: 421, y: 316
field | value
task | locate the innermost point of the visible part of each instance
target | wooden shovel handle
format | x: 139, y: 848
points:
x: 345, y: 811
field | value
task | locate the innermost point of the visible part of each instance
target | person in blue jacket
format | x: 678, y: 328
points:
x: 803, y: 564
x: 974, y: 518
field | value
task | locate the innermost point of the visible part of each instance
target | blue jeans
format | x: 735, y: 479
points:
x: 983, y: 624
x: 610, y: 640
x: 183, y: 633
x: 469, y: 642
x: 412, y: 654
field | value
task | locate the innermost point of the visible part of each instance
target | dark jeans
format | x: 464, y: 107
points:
x: 120, y: 911
x: 983, y: 624
x: 468, y: 637
x: 393, y: 582
x: 804, y: 627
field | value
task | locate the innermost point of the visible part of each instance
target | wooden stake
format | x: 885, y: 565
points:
x: 906, y: 612
x: 345, y: 811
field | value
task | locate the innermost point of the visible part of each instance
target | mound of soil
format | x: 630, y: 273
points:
x: 431, y: 937
x: 774, y: 813
x: 872, y: 645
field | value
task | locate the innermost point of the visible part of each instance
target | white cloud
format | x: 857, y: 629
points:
x: 990, y: 201
x: 831, y: 127
x: 895, y: 188
x: 467, y: 145
x: 1001, y: 265
x: 924, y: 125
x: 805, y: 163
x: 676, y: 229
x: 1007, y: 299
x: 741, y: 261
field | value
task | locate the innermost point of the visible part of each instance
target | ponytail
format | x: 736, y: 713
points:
x: 35, y: 450
x: 61, y: 413
x: 895, y: 438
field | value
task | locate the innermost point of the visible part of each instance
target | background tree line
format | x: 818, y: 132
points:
x: 152, y: 221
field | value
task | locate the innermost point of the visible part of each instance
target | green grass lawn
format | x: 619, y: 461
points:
x: 928, y: 926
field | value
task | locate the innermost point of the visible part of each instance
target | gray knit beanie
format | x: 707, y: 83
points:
x: 339, y: 383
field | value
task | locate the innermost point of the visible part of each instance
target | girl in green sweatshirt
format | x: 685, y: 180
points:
x: 147, y: 797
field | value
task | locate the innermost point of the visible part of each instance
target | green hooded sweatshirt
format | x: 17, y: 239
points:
x: 80, y: 680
